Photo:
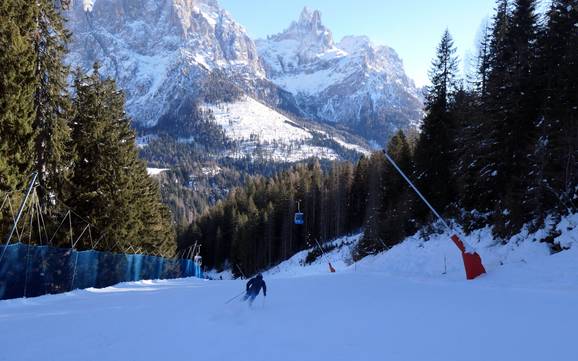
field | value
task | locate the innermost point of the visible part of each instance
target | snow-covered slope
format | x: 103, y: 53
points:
x: 248, y: 118
x: 394, y: 306
x: 523, y: 261
x: 340, y: 82
x: 264, y: 132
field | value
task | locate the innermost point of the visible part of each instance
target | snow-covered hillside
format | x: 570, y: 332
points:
x: 247, y: 118
x: 523, y: 261
x: 259, y: 128
x: 394, y: 306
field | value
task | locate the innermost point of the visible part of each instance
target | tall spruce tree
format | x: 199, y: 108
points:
x: 17, y: 87
x: 559, y: 125
x: 482, y: 71
x: 110, y: 185
x: 515, y: 96
x: 372, y: 241
x: 53, y: 156
x: 433, y: 155
x: 522, y: 134
x: 466, y: 112
x: 488, y: 182
x: 398, y: 200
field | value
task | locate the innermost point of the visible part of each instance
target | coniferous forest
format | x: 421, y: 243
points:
x: 499, y: 148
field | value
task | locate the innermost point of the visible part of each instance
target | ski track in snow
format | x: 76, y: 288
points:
x: 392, y: 306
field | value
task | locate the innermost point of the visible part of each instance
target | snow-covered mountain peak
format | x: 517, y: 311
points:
x: 310, y: 20
x: 309, y: 25
x: 307, y: 14
x: 303, y: 42
x: 354, y: 44
x: 347, y: 82
x: 159, y: 50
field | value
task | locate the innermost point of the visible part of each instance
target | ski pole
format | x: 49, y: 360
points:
x: 237, y: 296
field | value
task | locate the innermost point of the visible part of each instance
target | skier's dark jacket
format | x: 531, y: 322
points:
x: 255, y: 284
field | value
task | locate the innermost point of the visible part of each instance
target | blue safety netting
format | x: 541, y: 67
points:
x: 30, y: 271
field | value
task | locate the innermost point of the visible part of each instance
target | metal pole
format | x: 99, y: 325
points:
x: 416, y: 190
x: 22, y: 205
x: 240, y: 270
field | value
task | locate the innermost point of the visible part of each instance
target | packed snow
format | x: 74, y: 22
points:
x: 399, y: 305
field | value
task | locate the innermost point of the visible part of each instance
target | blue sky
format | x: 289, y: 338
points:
x: 412, y: 27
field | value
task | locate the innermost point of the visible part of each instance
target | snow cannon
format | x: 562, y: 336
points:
x: 472, y: 260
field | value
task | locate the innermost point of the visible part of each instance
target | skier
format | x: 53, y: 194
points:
x: 254, y: 287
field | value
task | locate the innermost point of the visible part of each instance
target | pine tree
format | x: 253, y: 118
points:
x: 110, y: 186
x: 470, y: 168
x: 17, y: 86
x: 559, y: 125
x: 518, y: 135
x: 467, y: 113
x: 398, y: 200
x: 53, y: 156
x: 372, y: 241
x: 486, y: 134
x: 483, y: 63
x: 433, y: 155
x: 358, y: 197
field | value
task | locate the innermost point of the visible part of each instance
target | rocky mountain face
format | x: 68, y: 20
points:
x: 353, y: 82
x: 166, y: 52
x: 160, y: 51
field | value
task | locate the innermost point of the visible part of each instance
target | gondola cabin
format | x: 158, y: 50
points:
x: 299, y: 218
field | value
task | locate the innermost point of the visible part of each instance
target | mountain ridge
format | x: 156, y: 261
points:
x: 161, y: 53
x: 344, y: 82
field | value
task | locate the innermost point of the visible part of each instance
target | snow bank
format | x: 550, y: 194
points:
x: 521, y: 262
x: 340, y: 259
